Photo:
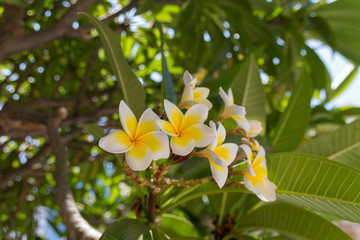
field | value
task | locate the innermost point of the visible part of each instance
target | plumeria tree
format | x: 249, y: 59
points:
x: 194, y: 119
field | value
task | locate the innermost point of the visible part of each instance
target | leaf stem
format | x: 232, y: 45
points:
x: 222, y: 208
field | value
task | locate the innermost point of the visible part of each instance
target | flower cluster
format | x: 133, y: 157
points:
x: 148, y: 139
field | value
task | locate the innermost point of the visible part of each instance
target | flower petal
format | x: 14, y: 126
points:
x: 167, y: 127
x: 174, y: 114
x: 188, y: 92
x: 204, y: 101
x: 187, y: 77
x: 221, y: 134
x: 158, y: 143
x: 230, y: 96
x: 211, y: 155
x: 242, y: 122
x: 182, y: 145
x: 116, y: 142
x: 201, y: 92
x: 214, y: 143
x: 224, y: 97
x: 128, y: 119
x: 219, y: 174
x: 200, y: 133
x: 196, y: 114
x: 187, y: 104
x: 227, y: 152
x: 139, y: 157
x: 147, y: 123
x: 255, y: 128
x: 235, y: 110
x: 248, y: 153
x: 264, y: 189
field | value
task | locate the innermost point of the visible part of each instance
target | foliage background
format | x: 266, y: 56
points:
x: 54, y: 66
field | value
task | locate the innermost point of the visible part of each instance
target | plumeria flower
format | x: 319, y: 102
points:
x: 186, y: 131
x: 233, y: 111
x: 226, y: 152
x: 254, y: 128
x: 255, y: 175
x: 141, y: 141
x: 193, y: 95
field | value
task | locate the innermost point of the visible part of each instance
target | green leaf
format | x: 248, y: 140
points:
x: 19, y: 3
x: 133, y: 91
x: 249, y: 91
x: 195, y: 192
x: 154, y: 234
x: 124, y: 229
x: 341, y: 145
x: 94, y: 129
x: 316, y: 183
x: 343, y: 18
x: 319, y: 73
x: 332, y: 94
x: 167, y: 82
x: 294, y: 121
x: 291, y: 221
x: 177, y: 227
x: 304, y: 180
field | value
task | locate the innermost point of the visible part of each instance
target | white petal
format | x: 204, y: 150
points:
x: 158, y: 143
x: 201, y: 92
x: 166, y: 127
x: 116, y: 142
x: 255, y: 128
x: 214, y: 143
x: 147, y: 123
x: 139, y: 157
x: 227, y: 152
x: 200, y: 133
x: 221, y: 134
x: 204, y: 101
x: 196, y: 114
x: 128, y: 119
x: 187, y: 104
x: 182, y: 146
x: 219, y: 174
x: 265, y: 191
x: 187, y: 77
x: 230, y: 96
x: 248, y: 153
x: 235, y: 110
x: 187, y: 93
x: 215, y: 158
x: 224, y: 97
x: 242, y: 122
x: 173, y: 113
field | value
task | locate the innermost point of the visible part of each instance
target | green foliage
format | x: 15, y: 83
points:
x: 125, y: 229
x: 248, y: 90
x: 316, y: 183
x: 258, y: 48
x: 293, y: 222
x: 341, y: 145
x: 287, y: 134
x: 133, y: 91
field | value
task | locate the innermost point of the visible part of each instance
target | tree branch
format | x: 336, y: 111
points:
x: 14, y: 43
x: 77, y: 226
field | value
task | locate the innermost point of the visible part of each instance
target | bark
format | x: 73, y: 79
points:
x: 77, y: 226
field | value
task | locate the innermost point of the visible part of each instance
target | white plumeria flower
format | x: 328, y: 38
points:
x: 226, y: 152
x: 193, y: 95
x: 234, y: 111
x: 255, y: 175
x: 255, y: 128
x: 141, y: 141
x: 186, y: 131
